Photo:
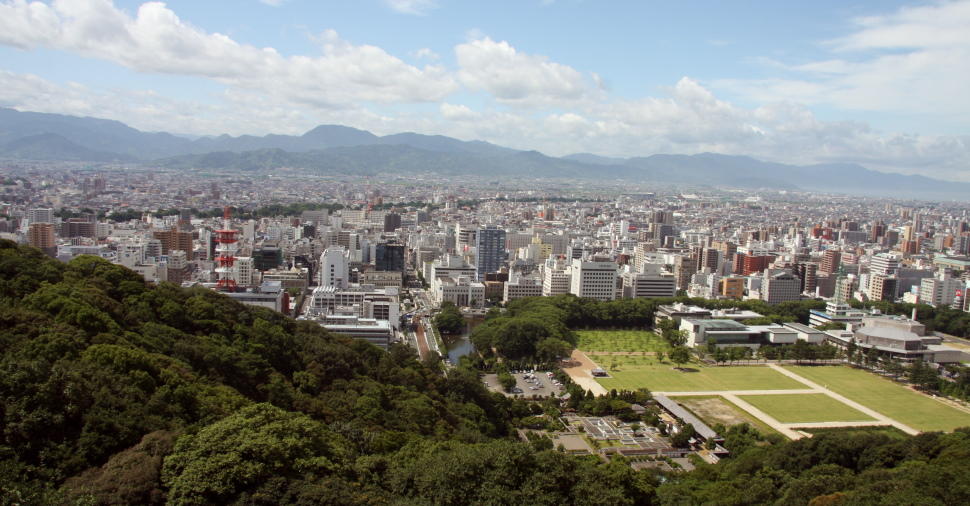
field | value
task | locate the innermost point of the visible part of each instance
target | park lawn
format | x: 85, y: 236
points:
x: 620, y: 340
x: 664, y: 378
x: 919, y: 411
x: 805, y: 408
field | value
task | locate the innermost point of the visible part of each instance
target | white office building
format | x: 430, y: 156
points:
x: 594, y: 280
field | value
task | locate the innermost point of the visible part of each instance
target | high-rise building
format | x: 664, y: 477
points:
x: 40, y: 216
x: 392, y: 222
x: 808, y: 274
x: 780, y: 287
x: 490, y: 252
x: 594, y: 280
x: 831, y: 260
x: 940, y: 290
x: 177, y: 267
x: 335, y: 267
x: 175, y: 240
x: 684, y: 269
x: 41, y: 236
x: 389, y: 257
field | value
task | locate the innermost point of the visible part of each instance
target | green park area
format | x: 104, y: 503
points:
x: 805, y: 408
x: 629, y: 341
x: 632, y: 372
x: 917, y: 410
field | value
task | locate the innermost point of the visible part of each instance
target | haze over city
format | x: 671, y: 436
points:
x: 878, y: 83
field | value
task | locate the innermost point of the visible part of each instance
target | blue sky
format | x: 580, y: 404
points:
x: 879, y: 83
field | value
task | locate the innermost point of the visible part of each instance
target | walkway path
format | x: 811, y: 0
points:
x: 580, y: 374
x: 845, y: 400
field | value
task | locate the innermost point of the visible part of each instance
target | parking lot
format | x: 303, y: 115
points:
x: 526, y: 384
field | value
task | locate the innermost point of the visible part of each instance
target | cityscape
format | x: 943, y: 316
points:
x: 484, y: 278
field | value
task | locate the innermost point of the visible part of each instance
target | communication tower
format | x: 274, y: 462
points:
x: 226, y: 251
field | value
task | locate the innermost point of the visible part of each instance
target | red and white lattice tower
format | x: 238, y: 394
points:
x: 226, y: 254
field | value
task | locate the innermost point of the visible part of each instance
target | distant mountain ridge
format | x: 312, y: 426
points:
x: 346, y: 150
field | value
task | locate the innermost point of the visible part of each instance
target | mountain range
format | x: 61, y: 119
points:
x: 330, y: 149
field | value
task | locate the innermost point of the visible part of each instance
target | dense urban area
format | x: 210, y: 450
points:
x: 233, y: 337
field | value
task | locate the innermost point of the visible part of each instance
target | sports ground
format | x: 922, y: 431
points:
x: 788, y: 399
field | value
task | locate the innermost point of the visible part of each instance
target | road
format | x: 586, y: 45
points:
x: 424, y: 351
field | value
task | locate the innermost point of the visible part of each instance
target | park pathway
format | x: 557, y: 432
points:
x: 581, y: 375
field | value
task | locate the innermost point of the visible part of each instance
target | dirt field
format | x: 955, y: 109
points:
x: 713, y: 410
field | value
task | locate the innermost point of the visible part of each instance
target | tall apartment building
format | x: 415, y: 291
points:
x: 490, y: 251
x: 883, y: 283
x: 177, y: 268
x: 684, y: 269
x: 594, y: 280
x: 175, y: 240
x: 41, y: 236
x: 831, y: 260
x: 808, y: 274
x: 244, y: 272
x: 940, y: 290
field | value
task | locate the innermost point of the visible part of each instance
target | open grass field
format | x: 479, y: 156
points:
x: 805, y: 408
x: 893, y: 400
x: 620, y: 341
x: 644, y: 372
x: 714, y: 409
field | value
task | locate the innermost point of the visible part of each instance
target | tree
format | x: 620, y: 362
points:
x: 680, y: 355
x: 244, y: 450
x: 449, y: 320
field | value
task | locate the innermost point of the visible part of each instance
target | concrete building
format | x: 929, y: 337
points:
x: 725, y: 333
x: 895, y: 337
x: 490, y: 252
x: 376, y: 332
x: 555, y: 281
x: 780, y: 287
x: 364, y: 301
x: 41, y: 236
x: 461, y: 291
x: 519, y: 287
x: 941, y: 289
x: 594, y: 280
x: 335, y: 267
x: 732, y: 288
x: 654, y: 283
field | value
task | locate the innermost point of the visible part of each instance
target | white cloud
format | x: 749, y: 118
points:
x: 413, y: 7
x: 157, y: 41
x: 530, y: 102
x: 273, y: 3
x: 427, y: 54
x: 519, y: 78
x: 913, y: 61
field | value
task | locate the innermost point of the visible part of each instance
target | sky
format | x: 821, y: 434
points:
x: 882, y: 83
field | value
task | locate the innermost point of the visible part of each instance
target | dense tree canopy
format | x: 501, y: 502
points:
x: 117, y: 392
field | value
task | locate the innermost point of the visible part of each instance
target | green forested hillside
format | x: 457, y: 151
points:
x: 117, y: 392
